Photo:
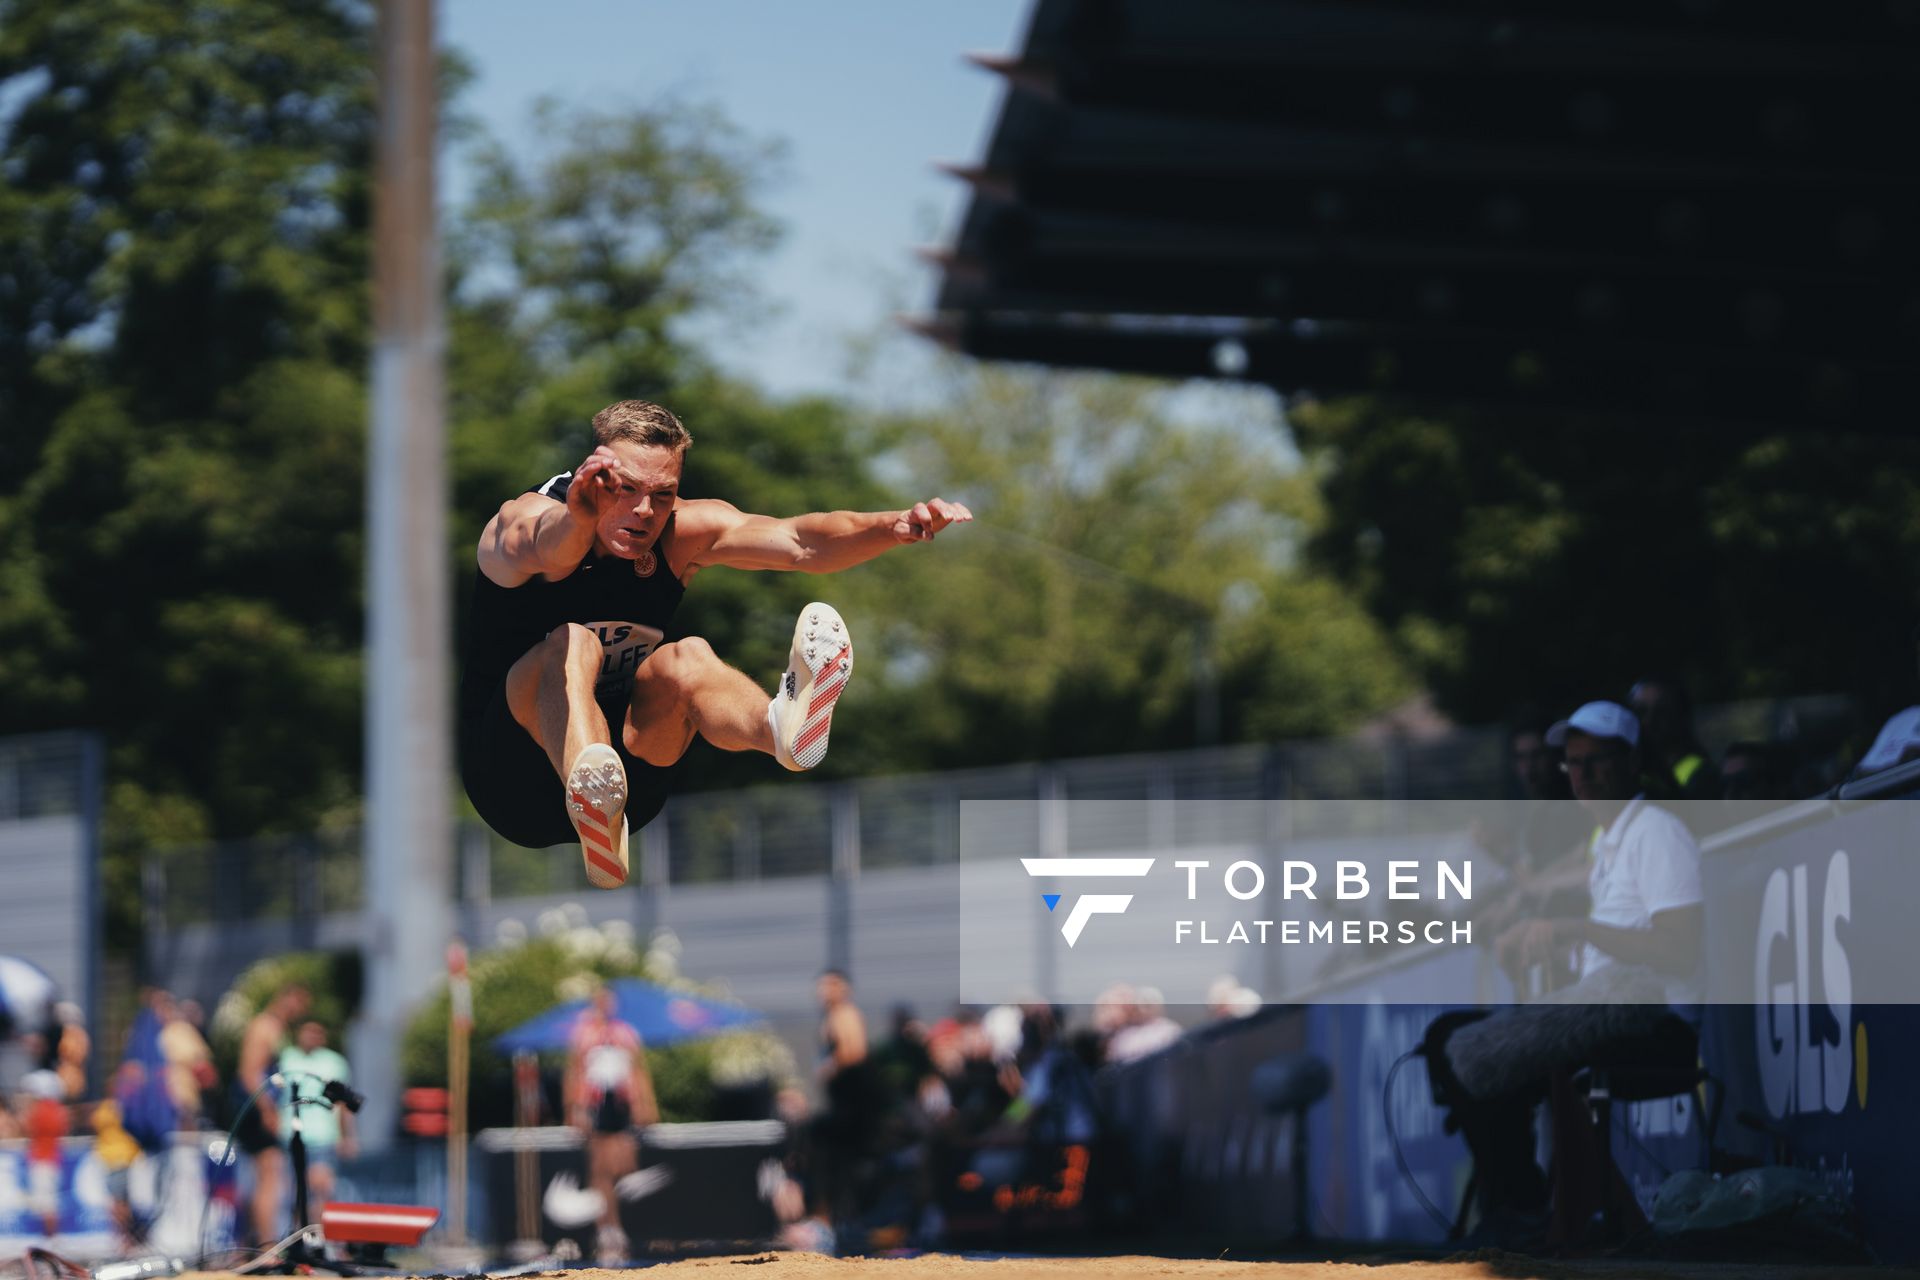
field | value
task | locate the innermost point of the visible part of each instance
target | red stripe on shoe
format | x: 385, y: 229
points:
x: 593, y: 837
x: 813, y: 733
x: 815, y: 704
x: 815, y: 728
x: 607, y: 865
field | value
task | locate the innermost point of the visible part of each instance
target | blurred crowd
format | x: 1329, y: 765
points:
x: 165, y: 1082
x: 915, y: 1127
x: 155, y: 1089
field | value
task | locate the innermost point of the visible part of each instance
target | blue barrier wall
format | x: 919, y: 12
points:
x: 1809, y: 1078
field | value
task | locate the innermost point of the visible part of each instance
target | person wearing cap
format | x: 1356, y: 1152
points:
x: 1645, y: 878
x: 1639, y: 941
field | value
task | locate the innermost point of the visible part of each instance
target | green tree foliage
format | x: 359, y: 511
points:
x: 182, y: 329
x: 185, y: 195
x: 1563, y: 560
x: 1128, y: 541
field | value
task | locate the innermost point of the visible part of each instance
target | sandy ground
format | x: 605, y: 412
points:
x: 1485, y: 1265
x: 1480, y: 1265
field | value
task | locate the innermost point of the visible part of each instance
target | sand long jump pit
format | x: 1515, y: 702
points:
x: 1478, y: 1265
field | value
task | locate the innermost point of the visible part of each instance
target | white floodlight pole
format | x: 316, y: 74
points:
x: 408, y: 722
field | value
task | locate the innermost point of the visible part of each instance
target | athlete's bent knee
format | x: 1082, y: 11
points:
x: 568, y: 637
x: 681, y: 663
x: 570, y: 645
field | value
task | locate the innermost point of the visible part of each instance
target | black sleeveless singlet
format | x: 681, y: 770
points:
x: 628, y: 612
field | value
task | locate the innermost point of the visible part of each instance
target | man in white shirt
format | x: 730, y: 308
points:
x: 1639, y: 944
x: 1645, y: 876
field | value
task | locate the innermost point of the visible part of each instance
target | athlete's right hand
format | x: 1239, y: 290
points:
x: 593, y: 485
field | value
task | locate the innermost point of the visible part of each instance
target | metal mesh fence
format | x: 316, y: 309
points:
x: 43, y: 775
x: 793, y: 828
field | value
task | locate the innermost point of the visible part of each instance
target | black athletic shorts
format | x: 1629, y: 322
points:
x: 515, y: 790
x: 253, y: 1136
x: 612, y: 1114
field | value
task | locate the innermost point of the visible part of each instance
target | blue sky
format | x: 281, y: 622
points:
x: 867, y: 94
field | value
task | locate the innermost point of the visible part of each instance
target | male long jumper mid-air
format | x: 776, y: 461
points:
x: 566, y: 672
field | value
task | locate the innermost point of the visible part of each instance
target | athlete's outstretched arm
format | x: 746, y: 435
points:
x: 820, y: 542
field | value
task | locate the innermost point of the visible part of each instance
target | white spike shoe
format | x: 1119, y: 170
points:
x: 597, y: 802
x: 818, y: 666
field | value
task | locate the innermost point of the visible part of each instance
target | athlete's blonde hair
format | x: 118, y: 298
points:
x: 640, y: 422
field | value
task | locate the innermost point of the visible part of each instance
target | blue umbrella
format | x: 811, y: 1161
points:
x: 661, y: 1017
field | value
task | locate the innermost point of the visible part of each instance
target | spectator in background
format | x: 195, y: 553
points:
x: 1639, y: 943
x: 45, y: 1124
x: 191, y: 1079
x: 1546, y: 854
x: 1227, y: 999
x: 902, y: 1062
x: 146, y: 1109
x: 1553, y: 824
x: 1898, y: 740
x: 1653, y: 885
x: 72, y: 1048
x: 1754, y: 771
x: 1675, y: 764
x: 1053, y: 1097
x: 326, y: 1131
x: 1148, y: 1029
x: 259, y: 1131
x: 608, y: 1092
x: 963, y: 1054
x: 117, y: 1149
x: 846, y: 1129
x: 1535, y: 760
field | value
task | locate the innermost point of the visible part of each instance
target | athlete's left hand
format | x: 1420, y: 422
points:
x: 928, y: 518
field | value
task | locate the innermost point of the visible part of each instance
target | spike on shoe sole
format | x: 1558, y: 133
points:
x: 596, y: 802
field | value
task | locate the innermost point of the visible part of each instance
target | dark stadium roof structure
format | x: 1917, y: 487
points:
x: 1696, y: 209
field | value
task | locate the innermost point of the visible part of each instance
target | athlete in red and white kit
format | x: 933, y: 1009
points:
x: 568, y: 676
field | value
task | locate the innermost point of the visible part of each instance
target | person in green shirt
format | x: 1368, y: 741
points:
x: 327, y: 1131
